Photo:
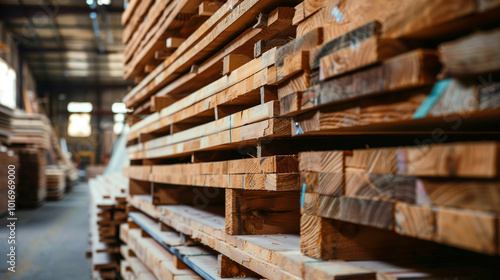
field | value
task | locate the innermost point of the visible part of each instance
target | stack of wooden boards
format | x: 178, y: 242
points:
x: 234, y: 102
x: 5, y: 124
x: 56, y: 182
x: 447, y: 193
x: 8, y: 161
x: 44, y: 170
x: 32, y: 129
x: 107, y: 211
x: 31, y: 187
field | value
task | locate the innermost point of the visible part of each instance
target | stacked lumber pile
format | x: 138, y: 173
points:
x: 92, y: 171
x: 446, y: 193
x: 221, y: 126
x: 31, y: 187
x: 151, y: 251
x: 56, y: 182
x: 7, y: 160
x: 107, y: 212
x: 395, y: 66
x: 5, y: 124
x: 31, y: 129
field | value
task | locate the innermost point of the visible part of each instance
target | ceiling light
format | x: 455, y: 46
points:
x: 119, y: 108
x: 80, y: 107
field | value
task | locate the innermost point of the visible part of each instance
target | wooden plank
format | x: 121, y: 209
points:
x: 235, y: 22
x: 160, y: 102
x: 263, y: 46
x: 208, y: 8
x: 420, y: 67
x: 471, y: 55
x: 415, y: 221
x: 228, y: 268
x: 297, y: 46
x: 210, y: 67
x: 472, y: 230
x: 376, y: 213
x: 324, y: 161
x: 473, y: 160
x: 173, y: 42
x: 209, y: 229
x: 427, y: 17
x: 360, y: 184
x: 207, y: 25
x: 323, y: 183
x: 232, y: 121
x: 236, y: 76
x: 329, y: 239
x: 263, y: 129
x: 257, y: 212
x: 352, y: 38
x: 345, y: 16
x: 358, y: 55
x: 461, y: 193
x: 264, y: 165
x: 292, y: 65
x: 170, y: 21
x: 234, y: 61
x: 270, y: 182
x: 363, y: 114
x: 136, y: 19
x: 129, y: 11
x: 246, y: 92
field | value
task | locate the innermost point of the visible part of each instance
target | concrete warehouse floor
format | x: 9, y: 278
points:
x: 51, y: 240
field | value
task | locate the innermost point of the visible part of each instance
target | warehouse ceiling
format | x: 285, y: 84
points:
x: 68, y: 41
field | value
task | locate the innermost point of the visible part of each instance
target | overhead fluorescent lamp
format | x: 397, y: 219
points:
x: 80, y: 107
x: 119, y: 108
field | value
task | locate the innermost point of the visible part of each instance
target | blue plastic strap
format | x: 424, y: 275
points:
x: 303, y: 195
x: 436, y: 93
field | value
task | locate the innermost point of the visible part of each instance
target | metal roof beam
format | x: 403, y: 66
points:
x: 13, y: 11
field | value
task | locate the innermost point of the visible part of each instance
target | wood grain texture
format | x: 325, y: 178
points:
x: 322, y: 183
x: 471, y: 55
x: 329, y: 239
x: 360, y: 184
x: 422, y: 18
x: 461, y: 193
x: 227, y: 268
x: 257, y: 212
x: 473, y: 160
x: 414, y: 221
x: 376, y: 213
x: 406, y: 71
x: 343, y: 16
x: 472, y: 230
x: 324, y: 161
x: 358, y: 55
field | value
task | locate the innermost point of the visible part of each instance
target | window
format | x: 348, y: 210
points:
x: 79, y: 125
x: 7, y: 85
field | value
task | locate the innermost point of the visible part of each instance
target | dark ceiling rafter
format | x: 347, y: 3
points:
x: 12, y: 11
x: 34, y: 34
x: 43, y: 43
x: 55, y: 31
x: 64, y: 26
x: 85, y: 86
x: 64, y: 49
